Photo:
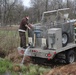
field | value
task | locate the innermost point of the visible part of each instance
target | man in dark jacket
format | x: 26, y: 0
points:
x: 24, y: 25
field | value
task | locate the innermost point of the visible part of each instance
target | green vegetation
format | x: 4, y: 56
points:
x: 7, y: 66
x: 33, y: 69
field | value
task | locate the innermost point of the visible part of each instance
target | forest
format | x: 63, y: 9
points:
x: 11, y: 12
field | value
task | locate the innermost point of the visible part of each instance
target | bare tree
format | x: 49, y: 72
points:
x: 8, y: 9
x: 12, y: 11
x: 46, y: 5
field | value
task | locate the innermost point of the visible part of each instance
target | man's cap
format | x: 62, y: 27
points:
x: 27, y: 17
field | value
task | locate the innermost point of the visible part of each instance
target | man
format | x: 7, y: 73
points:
x: 24, y: 25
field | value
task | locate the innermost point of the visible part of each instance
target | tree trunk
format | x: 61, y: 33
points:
x: 46, y: 7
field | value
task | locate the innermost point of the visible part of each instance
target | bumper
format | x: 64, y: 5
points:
x: 37, y: 52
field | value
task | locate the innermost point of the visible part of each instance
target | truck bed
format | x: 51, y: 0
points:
x: 39, y: 52
x: 69, y: 46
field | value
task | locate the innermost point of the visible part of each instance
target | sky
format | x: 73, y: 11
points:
x: 26, y: 3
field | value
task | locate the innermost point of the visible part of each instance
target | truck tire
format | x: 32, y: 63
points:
x: 70, y: 56
x: 65, y: 39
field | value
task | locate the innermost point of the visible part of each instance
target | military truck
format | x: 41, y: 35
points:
x: 53, y: 38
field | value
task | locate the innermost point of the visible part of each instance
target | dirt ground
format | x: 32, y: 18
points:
x: 16, y: 58
x: 64, y: 70
x: 14, y: 27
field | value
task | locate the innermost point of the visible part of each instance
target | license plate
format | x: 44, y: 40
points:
x: 36, y: 53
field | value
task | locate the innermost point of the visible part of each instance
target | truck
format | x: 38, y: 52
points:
x: 54, y: 39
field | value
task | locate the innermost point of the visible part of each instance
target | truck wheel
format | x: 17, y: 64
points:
x: 65, y: 39
x: 70, y: 57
